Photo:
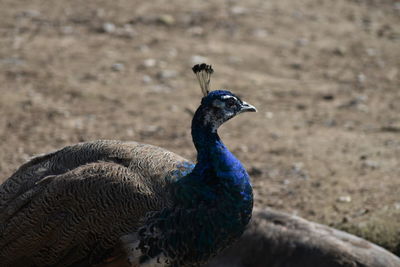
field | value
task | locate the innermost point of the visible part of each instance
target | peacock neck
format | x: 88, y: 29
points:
x: 205, y: 139
x: 213, y: 157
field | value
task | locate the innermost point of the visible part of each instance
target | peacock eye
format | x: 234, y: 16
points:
x: 230, y: 102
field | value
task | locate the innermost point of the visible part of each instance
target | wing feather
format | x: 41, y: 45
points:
x: 78, y: 201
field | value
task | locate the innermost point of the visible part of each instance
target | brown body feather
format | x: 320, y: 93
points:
x: 58, y: 208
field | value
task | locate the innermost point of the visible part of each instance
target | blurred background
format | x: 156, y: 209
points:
x: 323, y: 74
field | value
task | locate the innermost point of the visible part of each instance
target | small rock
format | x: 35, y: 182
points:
x: 143, y: 48
x: 330, y: 123
x: 328, y: 97
x: 391, y: 128
x: 301, y: 106
x: 345, y: 219
x: 239, y: 10
x: 361, y: 78
x: 108, y: 27
x: 302, y: 42
x: 370, y: 164
x: 146, y: 79
x: 196, y: 59
x: 344, y: 199
x: 12, y: 61
x: 371, y: 52
x: 297, y: 166
x: 166, y: 19
x: 149, y: 63
x: 296, y: 66
x: 339, y: 51
x: 361, y: 212
x: 118, y: 67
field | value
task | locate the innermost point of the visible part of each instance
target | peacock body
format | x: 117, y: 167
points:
x: 93, y: 202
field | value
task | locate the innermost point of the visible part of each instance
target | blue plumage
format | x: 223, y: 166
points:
x: 212, y: 202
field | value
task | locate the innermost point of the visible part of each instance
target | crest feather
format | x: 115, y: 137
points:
x: 203, y: 73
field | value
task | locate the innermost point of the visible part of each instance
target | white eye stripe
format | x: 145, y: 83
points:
x: 228, y: 96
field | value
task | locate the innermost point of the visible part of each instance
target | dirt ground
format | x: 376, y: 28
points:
x: 323, y: 74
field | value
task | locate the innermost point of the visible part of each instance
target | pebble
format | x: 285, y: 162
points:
x: 361, y: 78
x: 12, y: 61
x: 146, y: 79
x: 118, y: 67
x: 370, y: 164
x: 339, y: 51
x: 328, y: 97
x: 344, y: 199
x: 330, y: 123
x: 166, y: 19
x: 296, y: 66
x: 371, y: 52
x: 149, y: 63
x: 108, y: 27
x: 302, y: 42
x: 239, y: 10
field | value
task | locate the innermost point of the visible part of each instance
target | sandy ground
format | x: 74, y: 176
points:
x: 324, y: 76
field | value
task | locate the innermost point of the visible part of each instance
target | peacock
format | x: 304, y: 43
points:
x: 98, y: 202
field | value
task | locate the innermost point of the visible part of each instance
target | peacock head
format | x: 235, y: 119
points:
x: 217, y: 106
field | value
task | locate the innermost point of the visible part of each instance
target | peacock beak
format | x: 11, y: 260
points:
x: 246, y: 107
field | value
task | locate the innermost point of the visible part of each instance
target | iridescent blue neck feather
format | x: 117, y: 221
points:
x: 211, y: 205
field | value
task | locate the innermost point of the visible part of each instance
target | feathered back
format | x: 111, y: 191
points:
x: 42, y: 203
